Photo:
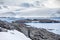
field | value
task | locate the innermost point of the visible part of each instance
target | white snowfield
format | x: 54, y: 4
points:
x: 42, y: 12
x: 13, y: 35
x: 8, y: 8
x: 16, y: 11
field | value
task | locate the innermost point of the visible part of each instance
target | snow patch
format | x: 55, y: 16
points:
x: 13, y: 35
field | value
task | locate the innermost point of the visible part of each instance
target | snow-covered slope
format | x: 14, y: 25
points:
x: 7, y: 8
x: 13, y: 35
x: 29, y: 12
x: 42, y: 12
x: 7, y: 11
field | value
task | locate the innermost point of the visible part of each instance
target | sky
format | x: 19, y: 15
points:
x: 47, y: 3
x: 53, y: 4
x: 18, y: 1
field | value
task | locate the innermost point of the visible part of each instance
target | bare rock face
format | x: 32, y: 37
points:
x: 32, y: 33
x: 42, y: 34
x: 36, y: 20
x: 6, y: 25
x: 37, y: 33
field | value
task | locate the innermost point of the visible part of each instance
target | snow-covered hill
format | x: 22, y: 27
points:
x: 29, y: 12
x: 8, y: 8
x: 40, y: 12
x: 13, y: 35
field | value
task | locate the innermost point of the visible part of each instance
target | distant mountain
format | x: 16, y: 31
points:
x: 8, y: 8
x: 29, y: 12
x: 28, y: 9
x: 39, y: 12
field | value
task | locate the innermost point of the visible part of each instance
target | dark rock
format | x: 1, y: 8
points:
x: 31, y: 32
x: 6, y: 25
x: 36, y: 33
x: 37, y: 20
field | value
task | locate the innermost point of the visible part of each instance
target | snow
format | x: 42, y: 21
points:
x: 43, y: 9
x: 39, y: 8
x: 13, y: 35
x: 42, y: 12
x: 9, y: 8
x: 16, y: 11
x: 39, y: 12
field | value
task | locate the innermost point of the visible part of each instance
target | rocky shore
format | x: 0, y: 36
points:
x: 31, y: 32
x: 37, y: 21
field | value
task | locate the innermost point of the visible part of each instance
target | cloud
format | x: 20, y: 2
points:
x: 52, y: 3
x: 46, y: 3
x: 58, y: 2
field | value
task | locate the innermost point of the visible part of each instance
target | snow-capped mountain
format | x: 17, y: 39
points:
x: 29, y: 12
x: 42, y: 12
x: 7, y: 11
x: 7, y: 8
x: 37, y: 8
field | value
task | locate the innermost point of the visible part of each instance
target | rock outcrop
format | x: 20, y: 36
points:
x: 36, y: 21
x: 33, y: 33
x: 6, y: 25
x: 36, y: 33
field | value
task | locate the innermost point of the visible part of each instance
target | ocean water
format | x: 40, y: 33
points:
x: 52, y: 27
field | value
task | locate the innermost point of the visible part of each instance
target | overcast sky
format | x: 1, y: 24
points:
x: 47, y: 3
x: 18, y: 1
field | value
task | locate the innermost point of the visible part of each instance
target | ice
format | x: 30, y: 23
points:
x: 54, y: 26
